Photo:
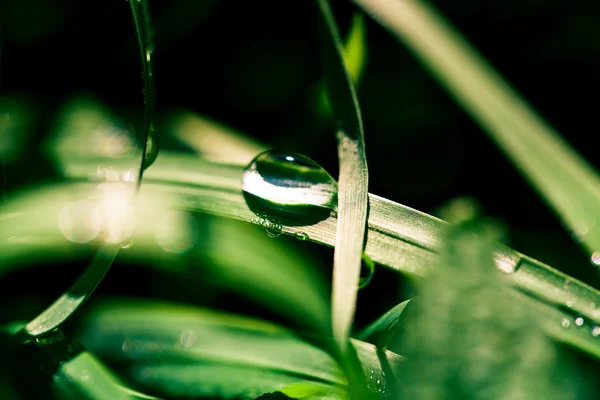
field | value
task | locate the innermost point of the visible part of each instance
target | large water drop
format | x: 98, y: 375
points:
x: 289, y: 188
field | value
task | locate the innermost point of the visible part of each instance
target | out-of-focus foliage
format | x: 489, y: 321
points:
x: 470, y: 337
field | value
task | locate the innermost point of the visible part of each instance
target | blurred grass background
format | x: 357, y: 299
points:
x: 255, y: 66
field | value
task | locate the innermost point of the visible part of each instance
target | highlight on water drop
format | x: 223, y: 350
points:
x: 289, y: 188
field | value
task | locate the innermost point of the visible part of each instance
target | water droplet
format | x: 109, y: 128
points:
x: 273, y: 230
x: 301, y: 236
x: 596, y: 258
x: 367, y: 269
x: 572, y: 302
x: 507, y: 262
x: 596, y: 331
x: 378, y: 381
x: 565, y: 323
x: 579, y: 321
x: 187, y: 338
x: 592, y: 305
x: 151, y: 150
x: 127, y: 244
x: 289, y: 188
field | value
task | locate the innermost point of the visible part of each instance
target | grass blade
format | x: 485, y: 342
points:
x: 141, y: 21
x: 84, y: 377
x: 381, y: 331
x: 560, y: 175
x: 399, y: 237
x: 182, y: 351
x: 353, y: 181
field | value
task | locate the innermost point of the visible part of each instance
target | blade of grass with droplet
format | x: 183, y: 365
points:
x: 381, y: 331
x: 399, y: 237
x: 352, y: 182
x: 560, y: 175
x: 175, y: 348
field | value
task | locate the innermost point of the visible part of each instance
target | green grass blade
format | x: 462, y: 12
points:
x: 381, y: 331
x: 84, y: 377
x: 141, y: 21
x: 353, y: 181
x: 308, y: 391
x: 400, y: 238
x: 355, y: 58
x: 561, y: 176
x: 177, y: 350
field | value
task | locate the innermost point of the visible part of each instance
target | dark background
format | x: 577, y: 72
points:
x: 252, y: 65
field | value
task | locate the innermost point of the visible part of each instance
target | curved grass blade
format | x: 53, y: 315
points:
x: 561, y: 176
x: 141, y: 21
x: 355, y: 58
x: 178, y: 350
x: 352, y: 183
x: 79, y: 292
x: 399, y: 237
x: 84, y: 377
x: 381, y: 331
x: 73, y: 298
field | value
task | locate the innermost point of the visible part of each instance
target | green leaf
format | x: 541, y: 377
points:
x: 84, y: 377
x: 141, y: 22
x: 400, y: 238
x: 307, y: 391
x: 381, y: 331
x: 560, y: 175
x: 355, y: 58
x: 182, y: 351
x: 352, y: 182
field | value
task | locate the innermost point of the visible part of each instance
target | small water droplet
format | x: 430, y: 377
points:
x: 596, y: 331
x: 151, y: 150
x: 592, y: 305
x: 289, y: 188
x: 367, y: 270
x: 596, y: 258
x: 378, y: 381
x: 579, y: 321
x: 127, y: 244
x: 565, y: 323
x: 187, y: 338
x: 301, y: 236
x: 572, y: 302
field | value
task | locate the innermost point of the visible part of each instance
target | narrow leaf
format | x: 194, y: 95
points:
x: 353, y: 181
x: 381, y: 331
x: 560, y: 175
x: 84, y: 377
x: 183, y: 351
x: 141, y: 21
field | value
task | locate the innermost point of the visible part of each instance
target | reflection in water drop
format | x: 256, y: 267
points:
x: 565, y: 323
x: 579, y: 321
x: 117, y: 211
x: 80, y: 222
x: 596, y: 331
x: 176, y: 232
x: 289, y: 188
x: 367, y: 270
x: 596, y: 258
